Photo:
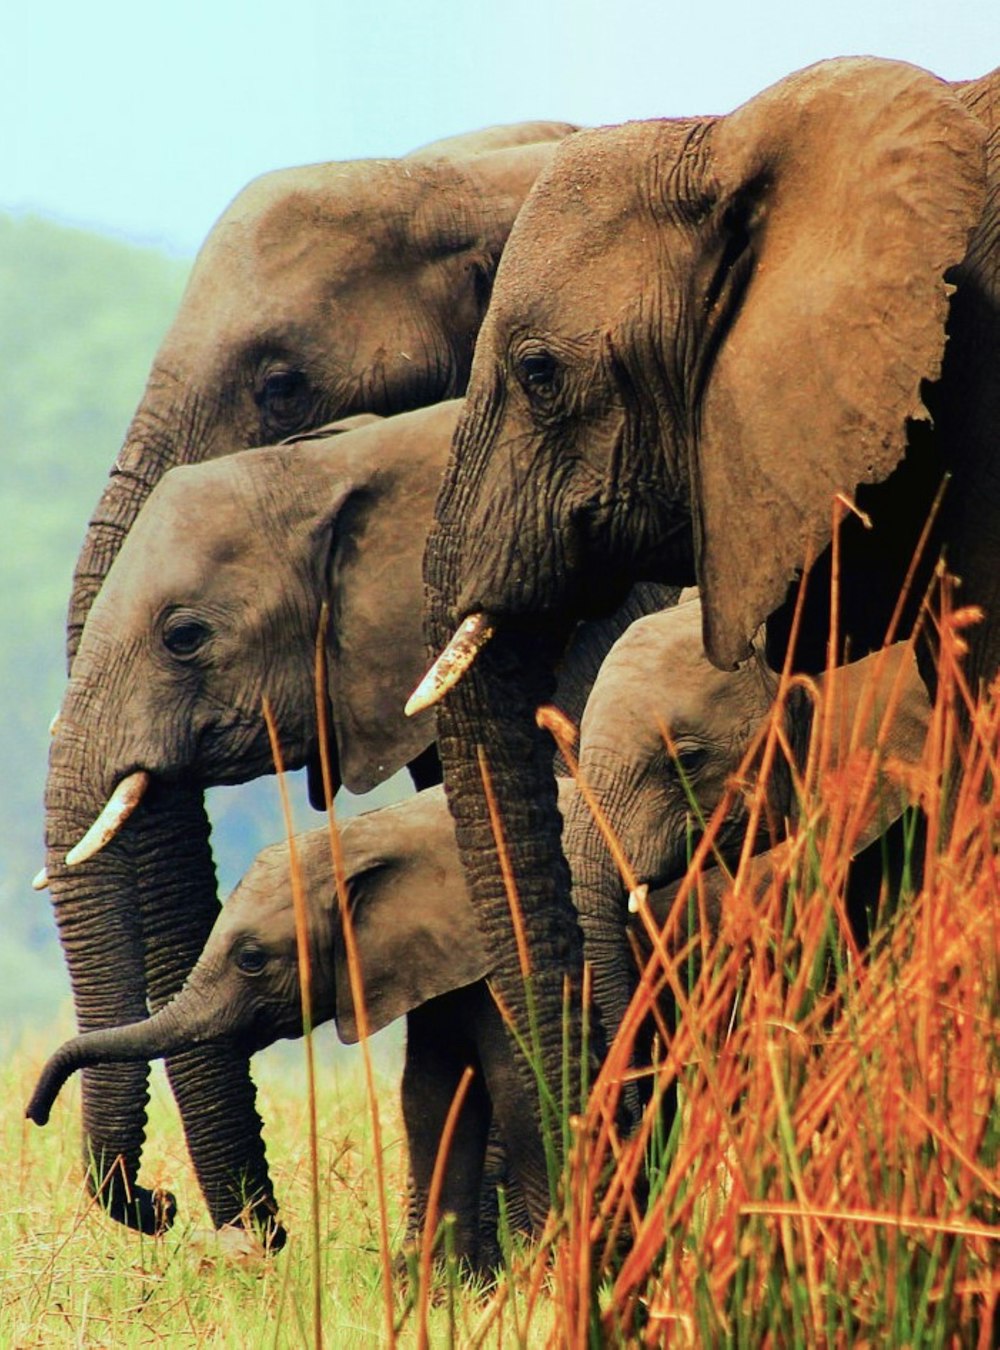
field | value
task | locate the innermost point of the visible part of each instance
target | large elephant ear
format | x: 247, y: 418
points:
x: 847, y: 190
x: 376, y: 653
x: 416, y: 932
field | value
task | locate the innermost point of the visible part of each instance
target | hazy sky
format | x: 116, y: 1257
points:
x: 145, y: 117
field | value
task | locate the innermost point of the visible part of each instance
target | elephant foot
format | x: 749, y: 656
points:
x: 145, y: 1211
x: 478, y: 1274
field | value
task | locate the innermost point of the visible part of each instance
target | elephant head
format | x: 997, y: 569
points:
x: 213, y: 603
x: 701, y: 332
x: 321, y: 292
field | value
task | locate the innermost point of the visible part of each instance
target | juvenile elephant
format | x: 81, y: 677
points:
x: 420, y: 956
x: 322, y: 292
x: 213, y: 604
x: 701, y: 332
x: 657, y: 679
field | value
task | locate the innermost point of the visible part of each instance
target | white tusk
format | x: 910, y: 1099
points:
x: 470, y: 638
x: 40, y: 881
x: 637, y: 898
x: 122, y: 802
x: 54, y: 724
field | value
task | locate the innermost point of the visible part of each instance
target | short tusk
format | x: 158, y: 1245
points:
x: 40, y: 881
x: 637, y: 898
x: 122, y: 802
x: 470, y: 639
x: 54, y: 724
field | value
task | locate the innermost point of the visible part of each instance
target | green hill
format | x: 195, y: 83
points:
x: 80, y: 319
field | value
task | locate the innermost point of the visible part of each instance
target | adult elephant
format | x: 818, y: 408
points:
x: 701, y: 331
x: 321, y: 292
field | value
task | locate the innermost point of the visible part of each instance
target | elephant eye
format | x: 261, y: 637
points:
x: 251, y: 959
x: 184, y: 636
x: 538, y: 372
x: 691, y: 760
x: 281, y: 396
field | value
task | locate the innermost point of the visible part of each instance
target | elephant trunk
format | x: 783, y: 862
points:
x: 155, y: 1036
x: 133, y: 920
x: 600, y: 900
x: 488, y: 721
x: 149, y: 451
x: 97, y: 915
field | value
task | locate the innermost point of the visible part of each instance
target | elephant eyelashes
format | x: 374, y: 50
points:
x: 538, y: 373
x: 250, y: 959
x: 185, y: 637
x: 688, y: 762
x: 283, y: 396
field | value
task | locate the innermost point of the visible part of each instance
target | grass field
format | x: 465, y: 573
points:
x: 831, y: 1177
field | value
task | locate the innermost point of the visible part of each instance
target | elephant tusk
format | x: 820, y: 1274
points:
x: 637, y: 898
x: 122, y: 802
x: 469, y: 640
x: 40, y: 881
x: 54, y: 724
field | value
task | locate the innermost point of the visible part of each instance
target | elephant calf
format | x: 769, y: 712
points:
x: 658, y: 676
x: 420, y: 955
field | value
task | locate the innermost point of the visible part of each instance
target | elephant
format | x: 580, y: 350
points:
x: 657, y: 677
x: 323, y: 291
x: 214, y: 603
x: 420, y: 956
x: 702, y: 333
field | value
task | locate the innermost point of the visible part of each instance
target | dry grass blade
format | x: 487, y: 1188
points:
x: 305, y: 988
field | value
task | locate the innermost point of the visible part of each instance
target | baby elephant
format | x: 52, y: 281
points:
x: 420, y: 955
x: 656, y: 795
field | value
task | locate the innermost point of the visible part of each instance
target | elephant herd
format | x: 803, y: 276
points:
x: 566, y: 372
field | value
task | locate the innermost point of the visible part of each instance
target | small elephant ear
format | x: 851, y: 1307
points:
x: 375, y: 651
x: 415, y: 929
x: 855, y: 185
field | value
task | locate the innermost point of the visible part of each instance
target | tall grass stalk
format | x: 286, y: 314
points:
x: 353, y: 967
x: 305, y: 990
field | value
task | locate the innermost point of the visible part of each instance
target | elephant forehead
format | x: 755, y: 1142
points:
x: 342, y: 216
x: 600, y: 204
x: 421, y: 825
x: 195, y: 514
x: 658, y: 672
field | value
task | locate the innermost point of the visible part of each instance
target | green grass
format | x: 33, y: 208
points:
x: 68, y: 1276
x: 832, y: 1178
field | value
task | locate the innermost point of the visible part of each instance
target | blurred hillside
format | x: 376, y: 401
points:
x: 81, y: 317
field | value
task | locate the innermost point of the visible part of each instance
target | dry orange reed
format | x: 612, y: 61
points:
x: 838, y: 1141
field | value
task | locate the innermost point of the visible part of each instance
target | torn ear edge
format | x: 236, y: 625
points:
x: 875, y: 180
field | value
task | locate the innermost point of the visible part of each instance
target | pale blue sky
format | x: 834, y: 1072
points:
x: 144, y: 117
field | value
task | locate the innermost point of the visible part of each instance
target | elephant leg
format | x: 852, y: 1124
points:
x: 211, y: 1083
x: 437, y: 1053
x: 515, y: 1120
x: 496, y: 1173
